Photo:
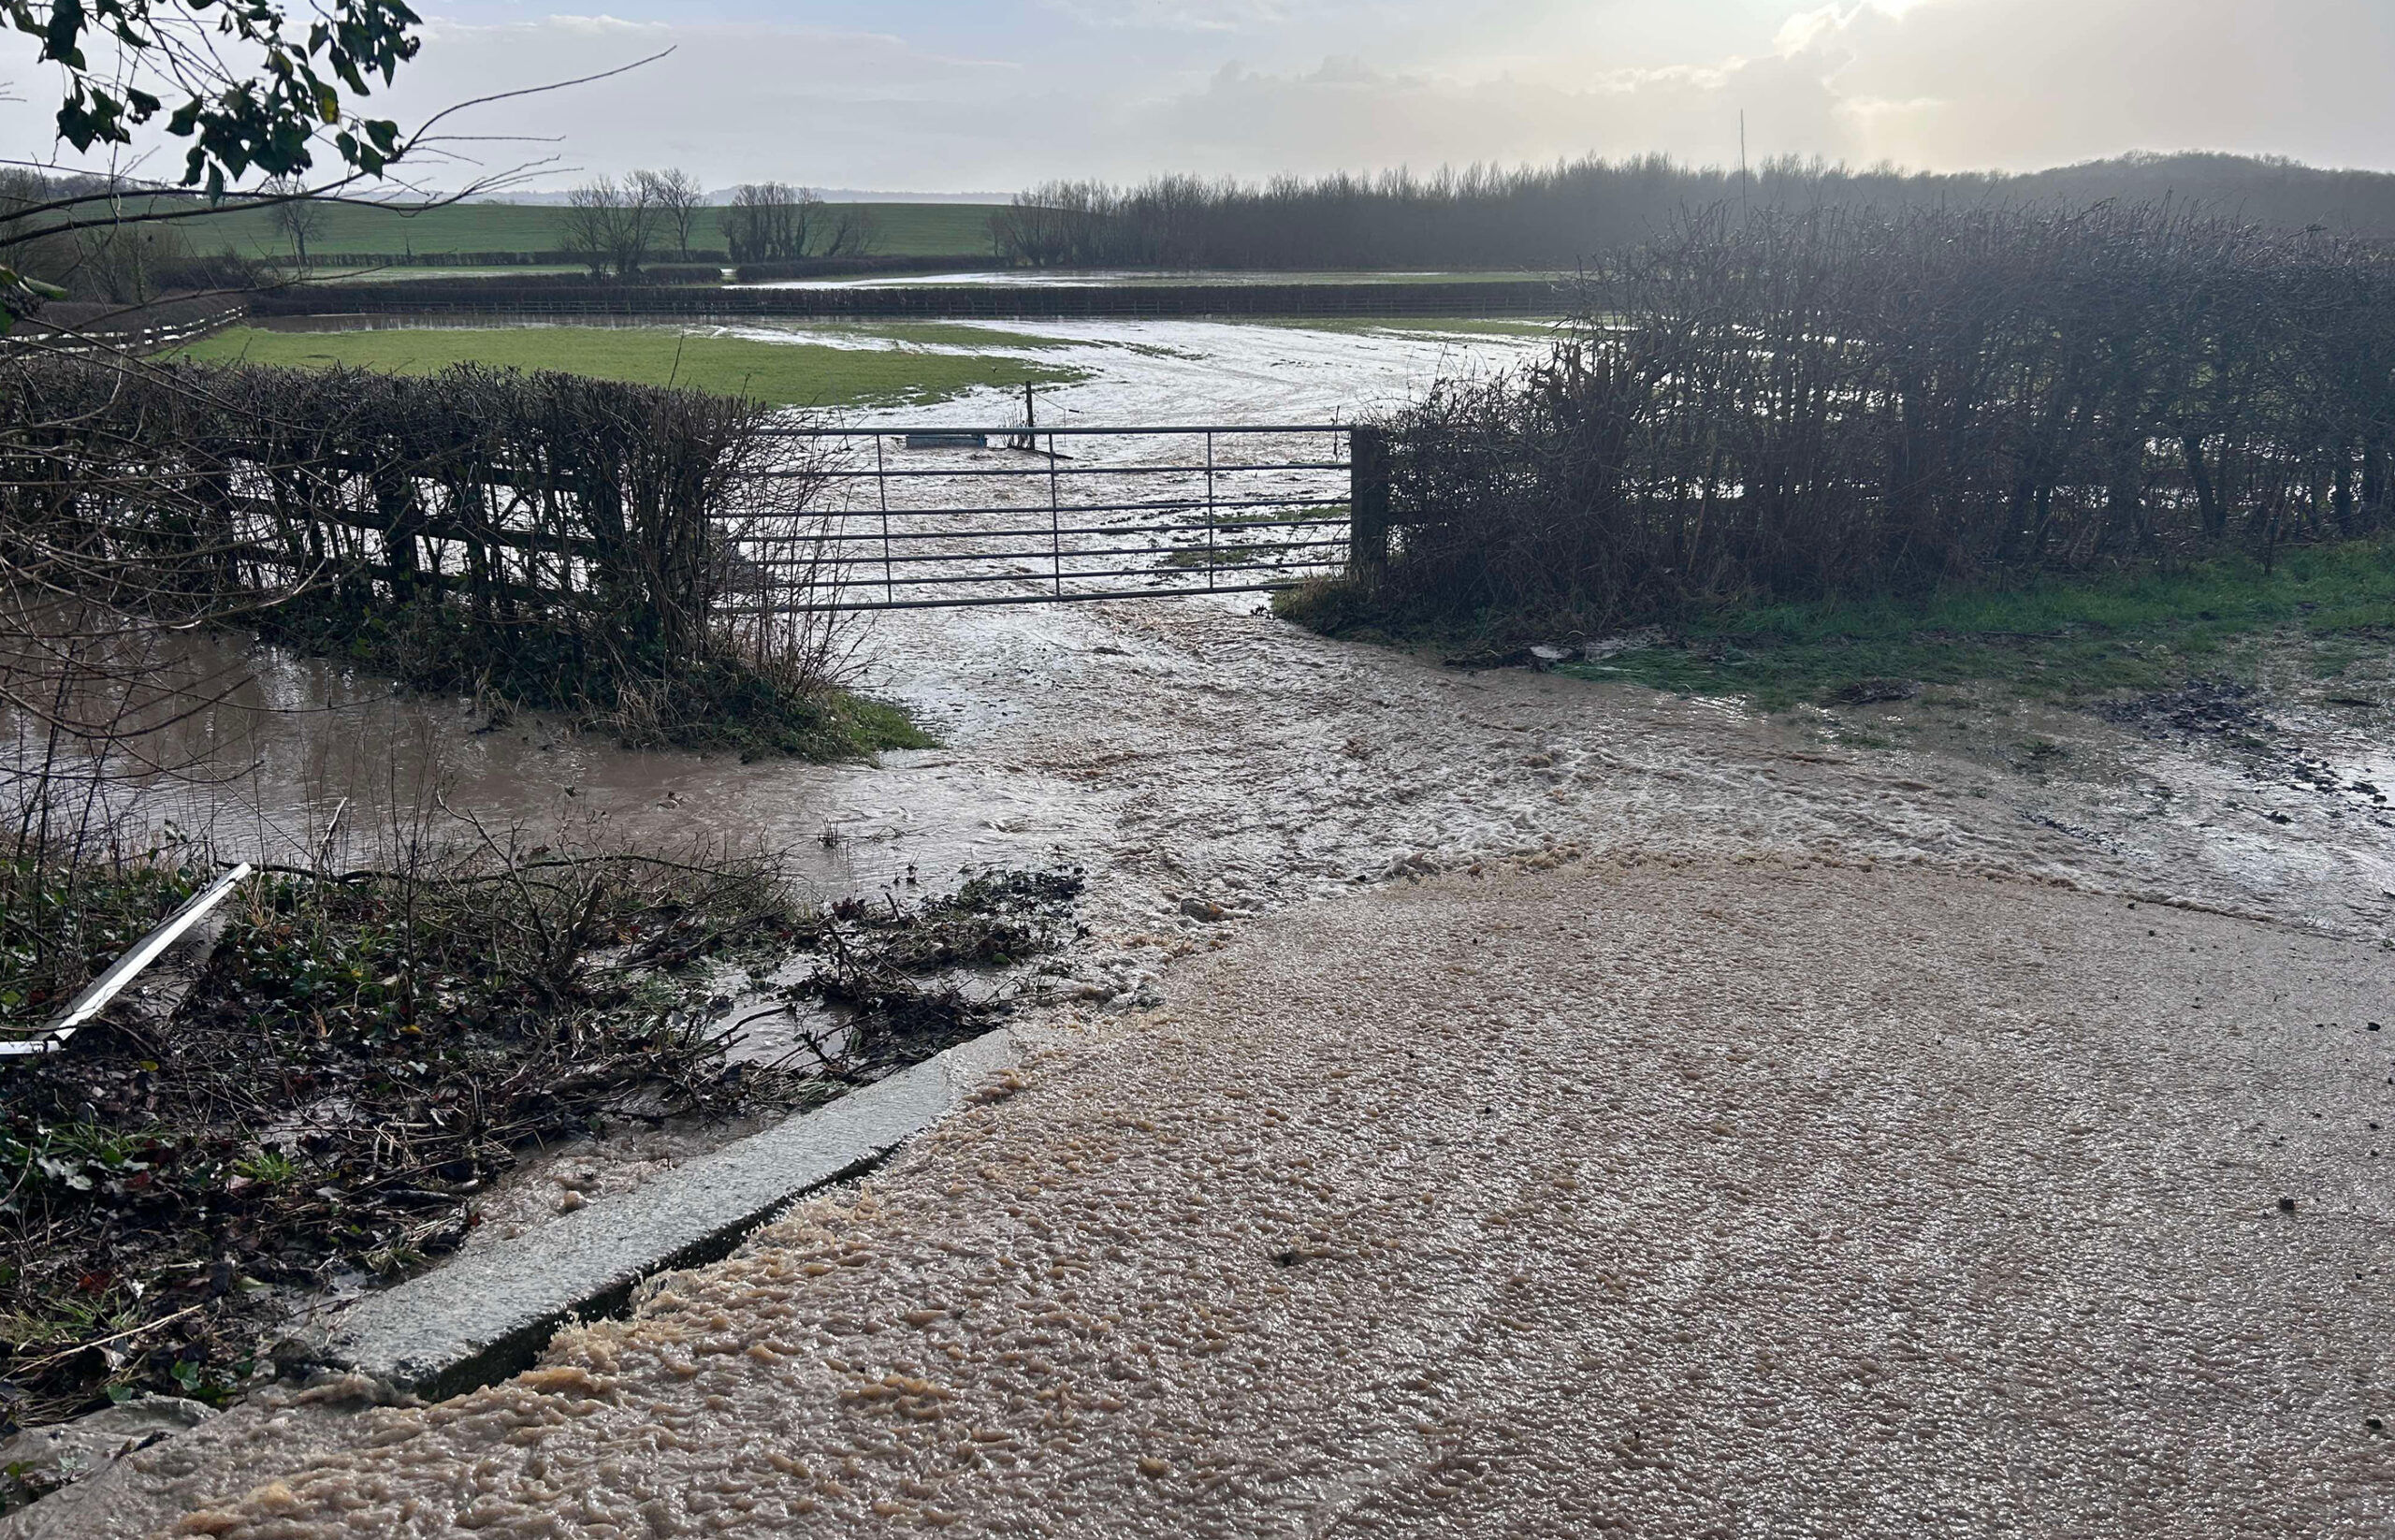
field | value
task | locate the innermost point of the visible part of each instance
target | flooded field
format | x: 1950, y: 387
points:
x: 1196, y: 752
x: 1204, y: 760
x: 1109, y: 277
x: 1205, y: 764
x: 304, y: 739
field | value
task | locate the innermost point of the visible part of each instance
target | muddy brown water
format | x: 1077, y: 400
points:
x: 1196, y: 747
x: 1201, y: 757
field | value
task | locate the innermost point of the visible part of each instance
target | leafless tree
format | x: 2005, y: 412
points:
x: 610, y: 224
x: 854, y: 232
x: 771, y: 222
x: 678, y: 198
x: 299, y: 217
x: 586, y: 229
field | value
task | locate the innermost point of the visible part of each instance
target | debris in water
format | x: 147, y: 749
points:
x: 1876, y: 691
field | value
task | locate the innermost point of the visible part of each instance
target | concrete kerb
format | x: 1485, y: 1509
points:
x: 489, y: 1315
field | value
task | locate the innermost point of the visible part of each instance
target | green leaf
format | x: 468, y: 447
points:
x: 58, y: 39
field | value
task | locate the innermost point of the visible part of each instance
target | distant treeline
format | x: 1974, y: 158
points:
x: 1559, y: 216
x: 686, y: 295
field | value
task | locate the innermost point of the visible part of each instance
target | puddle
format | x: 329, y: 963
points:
x: 303, y: 740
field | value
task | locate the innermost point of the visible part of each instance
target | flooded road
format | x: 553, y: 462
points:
x: 1199, y: 749
x: 1816, y: 1097
x: 1674, y: 1198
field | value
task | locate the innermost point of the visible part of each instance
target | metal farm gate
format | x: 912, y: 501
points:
x: 927, y: 517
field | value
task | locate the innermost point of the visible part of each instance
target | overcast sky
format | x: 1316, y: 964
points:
x: 968, y: 94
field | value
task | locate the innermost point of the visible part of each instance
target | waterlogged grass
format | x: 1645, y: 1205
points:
x: 780, y: 374
x: 2055, y: 639
x: 1443, y: 326
x: 709, y: 704
x: 958, y: 334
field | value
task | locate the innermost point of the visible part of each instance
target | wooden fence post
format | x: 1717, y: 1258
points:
x: 1367, y: 501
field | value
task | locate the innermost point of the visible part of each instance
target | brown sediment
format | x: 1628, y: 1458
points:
x: 1899, y: 1142
x: 1679, y: 1196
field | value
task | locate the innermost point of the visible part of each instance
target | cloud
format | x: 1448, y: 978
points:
x: 1173, y: 15
x: 2019, y: 84
x: 924, y: 96
x: 1344, y: 115
x: 732, y: 102
x: 1941, y: 83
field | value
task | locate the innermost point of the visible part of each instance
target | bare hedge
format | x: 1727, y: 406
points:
x: 585, y: 536
x: 1791, y: 406
x: 512, y: 258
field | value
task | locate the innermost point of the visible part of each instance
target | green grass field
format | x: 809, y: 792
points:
x: 2062, y: 639
x: 782, y: 373
x: 906, y: 229
x: 2330, y: 608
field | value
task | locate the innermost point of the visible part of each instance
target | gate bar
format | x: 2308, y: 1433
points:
x: 902, y: 430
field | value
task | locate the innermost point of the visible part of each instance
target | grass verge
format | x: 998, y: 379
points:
x: 2055, y: 638
x: 779, y: 374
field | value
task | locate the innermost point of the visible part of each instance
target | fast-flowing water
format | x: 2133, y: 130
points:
x: 1206, y: 761
x: 1199, y: 749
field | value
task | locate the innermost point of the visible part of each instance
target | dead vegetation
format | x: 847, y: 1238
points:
x: 647, y: 557
x: 367, y: 1051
